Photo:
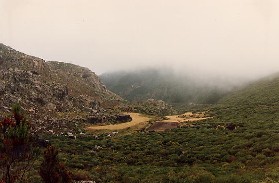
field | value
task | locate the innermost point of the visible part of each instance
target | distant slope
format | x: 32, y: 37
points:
x: 163, y: 85
x: 257, y: 103
x: 261, y: 92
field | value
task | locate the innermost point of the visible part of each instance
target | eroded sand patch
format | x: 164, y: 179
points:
x: 137, y: 119
x: 186, y: 117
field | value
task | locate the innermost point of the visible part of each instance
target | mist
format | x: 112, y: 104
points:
x: 232, y: 39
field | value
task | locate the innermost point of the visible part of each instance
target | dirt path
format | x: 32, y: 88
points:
x: 137, y: 119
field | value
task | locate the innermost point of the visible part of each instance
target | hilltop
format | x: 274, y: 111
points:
x: 51, y: 92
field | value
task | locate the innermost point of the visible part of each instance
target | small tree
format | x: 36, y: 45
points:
x: 16, y: 147
x: 51, y: 170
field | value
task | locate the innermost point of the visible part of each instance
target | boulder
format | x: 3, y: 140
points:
x: 123, y: 118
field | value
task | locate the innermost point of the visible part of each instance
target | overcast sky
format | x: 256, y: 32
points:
x: 234, y: 37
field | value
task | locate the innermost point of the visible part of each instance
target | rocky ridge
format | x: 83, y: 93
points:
x: 56, y: 95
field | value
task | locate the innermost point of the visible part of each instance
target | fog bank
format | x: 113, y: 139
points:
x: 232, y: 38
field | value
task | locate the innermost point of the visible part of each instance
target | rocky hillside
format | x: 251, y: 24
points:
x: 52, y: 92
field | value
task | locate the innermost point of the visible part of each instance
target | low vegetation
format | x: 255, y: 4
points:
x: 239, y: 144
x: 231, y: 147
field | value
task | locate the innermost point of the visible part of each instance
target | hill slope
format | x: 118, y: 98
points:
x: 257, y: 104
x: 261, y: 92
x: 47, y: 89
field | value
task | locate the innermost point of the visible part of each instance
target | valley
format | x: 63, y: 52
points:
x: 215, y: 136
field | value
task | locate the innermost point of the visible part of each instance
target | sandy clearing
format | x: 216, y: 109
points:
x: 140, y: 121
x: 136, y: 120
x: 186, y: 117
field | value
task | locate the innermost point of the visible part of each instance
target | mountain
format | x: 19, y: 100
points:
x: 163, y: 84
x: 50, y: 91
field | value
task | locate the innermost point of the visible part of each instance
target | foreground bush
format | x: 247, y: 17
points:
x: 16, y: 147
x: 52, y: 171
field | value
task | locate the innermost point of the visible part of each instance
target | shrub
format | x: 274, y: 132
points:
x: 51, y: 170
x: 17, y: 148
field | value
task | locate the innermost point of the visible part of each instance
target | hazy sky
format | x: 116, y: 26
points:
x: 234, y: 37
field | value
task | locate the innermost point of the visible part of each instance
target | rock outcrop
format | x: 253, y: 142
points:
x: 51, y: 92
